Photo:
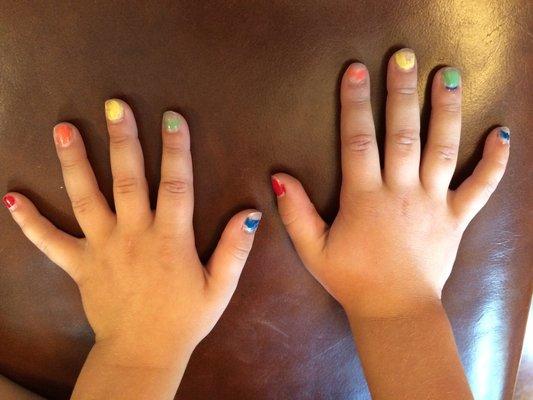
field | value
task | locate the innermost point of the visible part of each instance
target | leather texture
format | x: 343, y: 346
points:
x: 258, y: 82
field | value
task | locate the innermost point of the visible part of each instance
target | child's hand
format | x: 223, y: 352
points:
x: 144, y: 290
x: 394, y: 241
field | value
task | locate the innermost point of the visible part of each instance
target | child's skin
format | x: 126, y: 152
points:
x: 385, y: 258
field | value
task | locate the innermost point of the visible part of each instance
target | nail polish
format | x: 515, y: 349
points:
x: 114, y: 111
x: 62, y: 135
x: 356, y: 73
x: 171, y: 121
x: 405, y: 59
x: 277, y: 186
x: 9, y: 201
x: 451, y: 78
x: 251, y: 223
x: 504, y: 134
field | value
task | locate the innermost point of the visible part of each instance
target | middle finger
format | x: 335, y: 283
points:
x: 402, y: 145
x: 130, y: 188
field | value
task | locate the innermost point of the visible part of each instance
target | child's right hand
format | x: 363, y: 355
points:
x: 393, y: 243
x: 146, y: 294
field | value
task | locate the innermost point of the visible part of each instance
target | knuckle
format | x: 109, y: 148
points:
x: 407, y: 90
x: 489, y: 186
x: 359, y: 142
x: 240, y: 251
x: 293, y: 215
x: 357, y: 101
x: 175, y: 147
x: 42, y: 243
x: 125, y: 185
x: 82, y: 204
x: 289, y: 216
x: 24, y: 224
x: 501, y: 164
x: 175, y: 186
x: 70, y: 164
x: 446, y: 151
x: 405, y: 138
x: 453, y: 108
x: 119, y: 140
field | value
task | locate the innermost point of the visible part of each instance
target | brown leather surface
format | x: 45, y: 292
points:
x: 258, y: 82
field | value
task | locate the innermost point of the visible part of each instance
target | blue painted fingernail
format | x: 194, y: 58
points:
x: 504, y: 134
x: 251, y: 223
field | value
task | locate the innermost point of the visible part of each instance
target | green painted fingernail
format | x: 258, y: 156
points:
x: 451, y: 78
x: 171, y: 121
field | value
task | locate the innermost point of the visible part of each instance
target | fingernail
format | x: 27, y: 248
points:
x: 405, y: 59
x: 171, y: 121
x: 251, y: 223
x: 356, y: 73
x: 277, y: 186
x: 451, y: 77
x: 504, y: 134
x: 114, y: 111
x: 62, y: 135
x: 10, y: 202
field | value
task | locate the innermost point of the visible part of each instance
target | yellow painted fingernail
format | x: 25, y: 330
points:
x: 114, y: 111
x: 405, y: 59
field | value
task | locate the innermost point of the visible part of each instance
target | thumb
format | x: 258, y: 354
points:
x: 231, y: 253
x: 60, y: 247
x: 307, y: 229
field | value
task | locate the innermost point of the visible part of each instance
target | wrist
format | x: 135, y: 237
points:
x: 131, y: 351
x: 125, y: 368
x: 392, y: 306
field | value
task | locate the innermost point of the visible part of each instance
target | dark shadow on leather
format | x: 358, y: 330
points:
x: 425, y: 111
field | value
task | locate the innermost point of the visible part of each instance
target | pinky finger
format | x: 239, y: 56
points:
x: 231, y: 253
x: 475, y: 191
x: 60, y: 247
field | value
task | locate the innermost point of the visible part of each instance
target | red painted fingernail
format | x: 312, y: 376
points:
x: 277, y: 186
x: 62, y: 135
x: 9, y: 201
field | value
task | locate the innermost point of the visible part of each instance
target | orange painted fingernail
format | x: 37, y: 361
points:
x: 62, y: 135
x: 356, y: 73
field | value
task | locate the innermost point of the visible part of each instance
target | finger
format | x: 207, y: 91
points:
x: 61, y: 248
x: 175, y: 201
x: 476, y: 190
x: 305, y: 227
x: 231, y: 253
x: 402, y: 145
x: 129, y: 182
x: 89, y: 204
x: 440, y: 153
x: 360, y: 156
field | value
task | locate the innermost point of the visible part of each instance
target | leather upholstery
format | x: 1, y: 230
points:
x: 258, y: 83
